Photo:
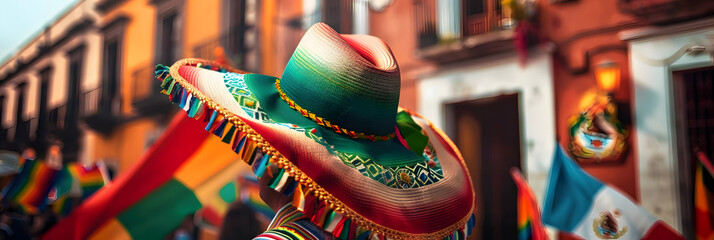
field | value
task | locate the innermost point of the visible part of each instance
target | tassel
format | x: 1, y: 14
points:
x: 299, y: 198
x: 229, y: 135
x: 310, y: 203
x: 171, y: 87
x: 209, y: 113
x: 166, y: 82
x: 276, y: 179
x: 262, y: 165
x: 193, y: 109
x: 210, y: 122
x: 237, y: 149
x: 184, y: 96
x: 237, y: 140
x: 218, y: 130
x: 176, y: 94
x: 245, y: 149
x: 187, y: 105
x: 250, y: 152
x: 332, y: 221
x: 280, y: 187
x: 470, y: 225
x: 319, y: 216
x: 257, y: 156
x: 217, y: 123
x: 170, y: 91
x: 290, y: 187
x: 342, y: 231
x: 339, y: 227
x: 363, y: 235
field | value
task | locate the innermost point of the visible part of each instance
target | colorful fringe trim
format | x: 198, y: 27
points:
x: 318, y: 205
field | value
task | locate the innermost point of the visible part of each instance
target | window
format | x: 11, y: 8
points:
x: 169, y: 47
x: 43, y: 119
x: 21, y: 133
x: 236, y: 28
x: 2, y: 111
x: 169, y: 23
x: 76, y: 61
x: 481, y: 16
x: 169, y: 19
x: 3, y: 130
x: 110, y: 100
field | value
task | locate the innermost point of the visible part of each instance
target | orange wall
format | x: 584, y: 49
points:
x: 202, y: 23
x: 138, y: 42
x: 396, y: 26
x: 561, y: 23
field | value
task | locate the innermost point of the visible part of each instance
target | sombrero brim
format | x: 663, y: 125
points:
x: 335, y: 196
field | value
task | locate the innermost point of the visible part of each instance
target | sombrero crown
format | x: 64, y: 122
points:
x: 351, y: 80
x: 354, y: 163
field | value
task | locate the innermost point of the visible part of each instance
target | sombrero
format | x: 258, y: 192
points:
x: 354, y: 162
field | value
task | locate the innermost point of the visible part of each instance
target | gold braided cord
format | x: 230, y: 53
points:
x: 322, y: 122
x: 309, y: 185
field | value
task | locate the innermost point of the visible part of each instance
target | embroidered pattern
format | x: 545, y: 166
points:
x: 403, y: 177
x: 236, y: 85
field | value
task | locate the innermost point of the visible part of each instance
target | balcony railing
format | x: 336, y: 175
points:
x: 667, y: 11
x: 146, y: 95
x: 57, y: 117
x: 143, y: 83
x: 98, y: 110
x: 451, y: 30
x: 438, y: 25
x: 91, y: 101
x: 234, y: 46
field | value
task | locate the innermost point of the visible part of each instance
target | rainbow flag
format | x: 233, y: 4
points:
x: 63, y: 205
x: 90, y: 178
x: 29, y: 189
x: 174, y: 178
x: 529, y: 223
x: 704, y: 198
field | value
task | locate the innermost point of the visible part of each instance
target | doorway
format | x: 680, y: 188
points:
x: 487, y: 132
x: 694, y: 109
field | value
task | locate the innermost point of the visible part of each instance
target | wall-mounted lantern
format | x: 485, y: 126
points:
x: 607, y: 75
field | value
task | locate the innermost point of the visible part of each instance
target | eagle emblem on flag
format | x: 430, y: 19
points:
x: 606, y: 226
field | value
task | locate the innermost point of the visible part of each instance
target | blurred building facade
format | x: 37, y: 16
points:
x: 501, y: 77
x: 42, y: 96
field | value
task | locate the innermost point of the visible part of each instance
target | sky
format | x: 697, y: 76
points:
x: 22, y: 20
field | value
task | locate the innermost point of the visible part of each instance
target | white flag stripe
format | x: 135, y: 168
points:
x: 635, y: 218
